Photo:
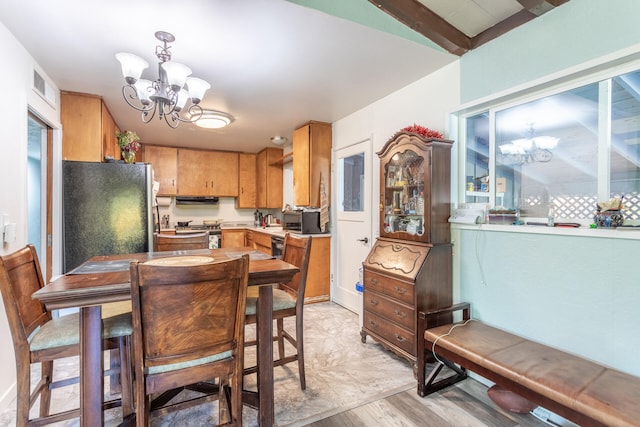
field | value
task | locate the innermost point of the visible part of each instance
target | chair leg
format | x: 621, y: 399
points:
x: 280, y: 337
x: 300, y: 350
x: 126, y: 377
x: 23, y: 391
x: 45, y: 395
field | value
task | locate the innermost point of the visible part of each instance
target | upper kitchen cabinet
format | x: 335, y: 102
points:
x: 89, y: 131
x: 164, y: 161
x: 269, y: 178
x: 247, y: 181
x: 207, y: 173
x: 311, y: 160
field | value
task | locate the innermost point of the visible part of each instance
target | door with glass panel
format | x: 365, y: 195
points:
x: 353, y: 230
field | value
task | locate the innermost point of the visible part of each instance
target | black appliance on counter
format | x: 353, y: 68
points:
x: 302, y: 221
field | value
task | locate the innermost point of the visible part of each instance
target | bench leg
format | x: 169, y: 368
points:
x: 430, y: 385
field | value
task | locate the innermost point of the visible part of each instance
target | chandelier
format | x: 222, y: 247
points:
x: 528, y: 150
x: 168, y: 95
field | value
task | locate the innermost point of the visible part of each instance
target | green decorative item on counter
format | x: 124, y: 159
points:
x: 129, y: 143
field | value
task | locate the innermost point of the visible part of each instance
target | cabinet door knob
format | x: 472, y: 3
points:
x: 364, y: 240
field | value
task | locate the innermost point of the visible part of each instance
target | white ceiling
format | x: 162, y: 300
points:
x: 272, y: 64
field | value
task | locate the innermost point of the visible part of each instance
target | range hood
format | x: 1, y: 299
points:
x: 200, y: 200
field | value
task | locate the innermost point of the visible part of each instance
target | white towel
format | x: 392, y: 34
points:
x: 324, y: 205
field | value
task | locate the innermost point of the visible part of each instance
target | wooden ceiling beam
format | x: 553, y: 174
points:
x: 419, y: 18
x: 423, y: 20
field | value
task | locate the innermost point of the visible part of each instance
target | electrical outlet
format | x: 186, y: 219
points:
x: 541, y: 413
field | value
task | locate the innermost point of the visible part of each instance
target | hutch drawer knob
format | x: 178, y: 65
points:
x: 374, y: 302
x: 400, y: 290
x: 400, y: 338
x: 374, y: 281
x: 400, y: 314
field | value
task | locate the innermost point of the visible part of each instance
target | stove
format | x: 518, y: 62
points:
x: 215, y: 234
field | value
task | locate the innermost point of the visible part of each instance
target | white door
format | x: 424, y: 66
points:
x: 353, y: 211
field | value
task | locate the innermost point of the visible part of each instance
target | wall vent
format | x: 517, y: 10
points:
x: 43, y: 89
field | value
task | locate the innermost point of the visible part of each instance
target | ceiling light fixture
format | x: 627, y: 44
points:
x: 211, y: 119
x: 279, y: 140
x: 530, y: 149
x: 166, y: 96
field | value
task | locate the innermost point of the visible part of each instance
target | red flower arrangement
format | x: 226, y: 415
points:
x: 422, y: 131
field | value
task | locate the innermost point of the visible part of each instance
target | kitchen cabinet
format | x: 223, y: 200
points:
x: 311, y: 161
x: 261, y: 241
x: 207, y: 173
x: 319, y: 272
x: 89, y: 131
x: 409, y: 268
x: 233, y: 238
x: 269, y: 178
x: 164, y: 161
x: 246, y: 181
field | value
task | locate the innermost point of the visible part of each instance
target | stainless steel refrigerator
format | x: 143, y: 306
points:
x: 106, y: 210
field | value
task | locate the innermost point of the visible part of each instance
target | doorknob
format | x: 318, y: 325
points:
x: 365, y: 240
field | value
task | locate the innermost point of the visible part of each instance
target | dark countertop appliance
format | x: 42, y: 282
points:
x: 302, y: 221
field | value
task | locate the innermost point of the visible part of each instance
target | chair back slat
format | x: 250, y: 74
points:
x: 180, y: 242
x: 187, y: 312
x: 20, y: 277
x: 297, y: 251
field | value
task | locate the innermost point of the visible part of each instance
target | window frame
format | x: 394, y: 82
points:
x: 600, y: 73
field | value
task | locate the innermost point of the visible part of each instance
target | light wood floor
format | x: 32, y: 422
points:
x: 464, y: 404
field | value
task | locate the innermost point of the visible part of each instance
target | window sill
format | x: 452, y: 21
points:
x: 612, y: 233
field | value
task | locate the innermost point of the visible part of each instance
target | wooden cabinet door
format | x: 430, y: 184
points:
x: 311, y: 161
x: 233, y: 238
x: 246, y: 181
x: 269, y: 178
x: 110, y: 145
x: 81, y: 118
x: 207, y: 173
x: 164, y: 161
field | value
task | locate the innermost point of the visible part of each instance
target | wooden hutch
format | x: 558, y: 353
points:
x: 409, y: 268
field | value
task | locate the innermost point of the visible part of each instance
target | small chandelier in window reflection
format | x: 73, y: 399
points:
x: 528, y: 150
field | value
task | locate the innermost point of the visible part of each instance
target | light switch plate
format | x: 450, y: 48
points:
x: 10, y: 232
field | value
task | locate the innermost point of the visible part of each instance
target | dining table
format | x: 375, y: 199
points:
x: 105, y: 278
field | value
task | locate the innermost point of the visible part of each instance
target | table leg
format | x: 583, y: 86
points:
x: 265, y: 355
x: 91, y: 381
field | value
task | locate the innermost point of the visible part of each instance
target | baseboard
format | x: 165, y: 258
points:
x: 8, y: 397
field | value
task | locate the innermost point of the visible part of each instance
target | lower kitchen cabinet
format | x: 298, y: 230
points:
x: 401, y: 279
x: 234, y: 238
x: 260, y: 241
x: 319, y: 273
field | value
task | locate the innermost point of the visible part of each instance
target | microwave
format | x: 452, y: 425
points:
x: 302, y: 222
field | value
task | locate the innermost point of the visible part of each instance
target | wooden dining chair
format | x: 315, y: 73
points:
x: 288, y: 301
x: 180, y: 242
x: 40, y: 338
x: 188, y: 328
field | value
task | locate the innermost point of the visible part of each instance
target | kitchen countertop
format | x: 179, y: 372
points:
x: 276, y: 231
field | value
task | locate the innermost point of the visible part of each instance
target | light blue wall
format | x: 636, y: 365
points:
x: 573, y: 33
x: 581, y: 294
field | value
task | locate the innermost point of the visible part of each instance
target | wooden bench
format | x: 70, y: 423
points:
x: 577, y: 389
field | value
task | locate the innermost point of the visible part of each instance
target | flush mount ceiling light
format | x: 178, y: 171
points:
x: 166, y: 96
x: 211, y: 119
x: 279, y: 140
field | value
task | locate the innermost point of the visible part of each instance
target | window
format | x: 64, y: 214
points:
x: 566, y: 150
